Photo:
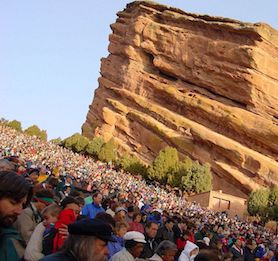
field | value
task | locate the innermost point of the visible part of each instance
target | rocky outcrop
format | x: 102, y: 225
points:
x: 205, y: 85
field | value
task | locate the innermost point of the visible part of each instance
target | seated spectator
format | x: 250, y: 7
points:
x: 31, y: 216
x: 120, y: 231
x: 87, y: 241
x: 207, y: 255
x: 14, y: 192
x: 34, y: 248
x: 165, y: 251
x: 166, y: 231
x: 190, y: 252
x: 67, y: 216
x: 151, y: 244
x: 92, y: 209
x: 135, y: 225
x: 133, y: 246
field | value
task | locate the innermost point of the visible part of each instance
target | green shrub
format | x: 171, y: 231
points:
x: 108, y: 152
x: 15, y: 125
x: 258, y: 202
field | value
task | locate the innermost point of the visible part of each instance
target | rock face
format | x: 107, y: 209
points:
x: 205, y: 85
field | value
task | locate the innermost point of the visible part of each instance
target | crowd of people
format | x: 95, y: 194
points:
x: 59, y: 205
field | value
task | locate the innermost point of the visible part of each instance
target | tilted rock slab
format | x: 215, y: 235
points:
x: 207, y: 86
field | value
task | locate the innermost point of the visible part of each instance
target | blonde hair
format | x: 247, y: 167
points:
x: 120, y: 225
x: 53, y: 210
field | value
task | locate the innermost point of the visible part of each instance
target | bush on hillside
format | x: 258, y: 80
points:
x: 34, y: 130
x: 108, y: 152
x: 166, y: 160
x: 132, y: 165
x: 258, y: 202
x: 94, y: 146
x: 191, y: 176
x: 15, y: 125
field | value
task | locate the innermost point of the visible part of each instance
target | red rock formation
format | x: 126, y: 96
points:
x: 205, y: 85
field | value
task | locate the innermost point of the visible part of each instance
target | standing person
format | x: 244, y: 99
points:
x: 135, y: 225
x: 92, y: 209
x: 87, y: 240
x: 15, y: 191
x: 134, y: 244
x: 151, y: 244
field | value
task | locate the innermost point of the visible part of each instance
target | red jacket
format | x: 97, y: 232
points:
x: 66, y: 217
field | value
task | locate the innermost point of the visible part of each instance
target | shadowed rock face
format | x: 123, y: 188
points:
x: 207, y: 86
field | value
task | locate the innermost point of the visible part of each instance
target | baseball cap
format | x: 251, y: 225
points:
x: 135, y: 236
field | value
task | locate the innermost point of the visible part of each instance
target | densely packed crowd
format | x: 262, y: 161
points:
x: 76, y: 208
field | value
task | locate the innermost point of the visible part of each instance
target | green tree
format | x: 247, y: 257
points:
x: 34, y: 130
x: 15, y: 125
x: 201, y: 178
x: 132, y: 165
x: 94, y: 146
x: 165, y: 160
x: 273, y: 196
x: 56, y: 141
x: 70, y: 141
x: 81, y: 144
x: 257, y: 202
x: 108, y: 151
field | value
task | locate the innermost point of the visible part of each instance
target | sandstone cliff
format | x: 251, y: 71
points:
x: 205, y: 85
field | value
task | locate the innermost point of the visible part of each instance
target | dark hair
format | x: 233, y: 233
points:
x: 53, y: 182
x: 44, y: 193
x: 14, y: 186
x: 207, y: 255
x: 149, y: 224
x: 106, y: 218
x: 68, y: 200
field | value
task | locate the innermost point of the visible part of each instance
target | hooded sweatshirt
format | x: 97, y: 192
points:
x: 185, y: 254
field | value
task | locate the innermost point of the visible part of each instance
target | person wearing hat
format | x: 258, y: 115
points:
x: 30, y: 217
x: 120, y: 214
x: 87, y: 240
x: 134, y: 244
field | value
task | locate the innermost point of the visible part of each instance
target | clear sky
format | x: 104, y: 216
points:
x: 50, y: 53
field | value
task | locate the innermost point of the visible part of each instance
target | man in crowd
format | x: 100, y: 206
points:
x: 151, y: 244
x: 165, y: 232
x: 87, y: 241
x: 14, y: 193
x: 92, y: 209
x: 134, y: 244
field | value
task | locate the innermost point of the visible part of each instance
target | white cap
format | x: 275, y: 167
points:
x: 135, y: 236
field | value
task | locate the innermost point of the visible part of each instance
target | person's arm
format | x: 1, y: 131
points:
x: 25, y: 225
x: 33, y: 251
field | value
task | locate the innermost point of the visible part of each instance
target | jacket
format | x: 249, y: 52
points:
x: 91, y: 210
x: 115, y: 247
x: 185, y: 254
x: 149, y: 247
x: 33, y: 250
x: 11, y: 245
x: 123, y: 255
x: 66, y: 217
x: 27, y: 221
x: 60, y: 256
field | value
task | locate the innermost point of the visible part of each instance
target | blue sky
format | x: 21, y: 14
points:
x: 50, y: 53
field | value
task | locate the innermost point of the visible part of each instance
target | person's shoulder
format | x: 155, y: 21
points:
x: 56, y: 257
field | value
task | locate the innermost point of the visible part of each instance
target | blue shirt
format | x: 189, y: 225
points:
x: 91, y: 210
